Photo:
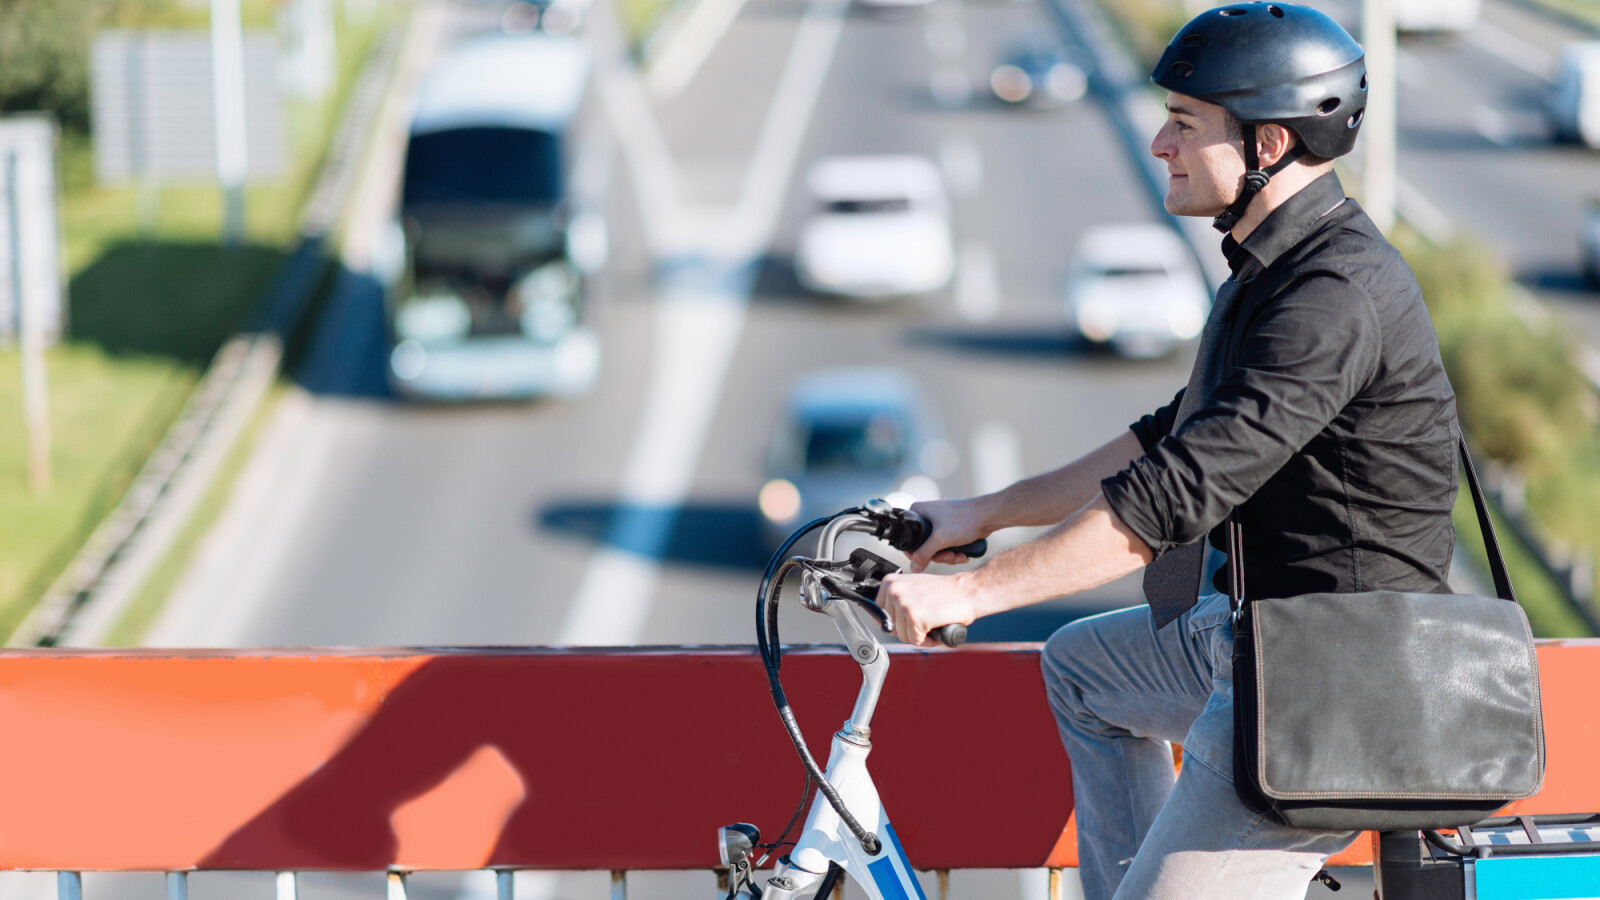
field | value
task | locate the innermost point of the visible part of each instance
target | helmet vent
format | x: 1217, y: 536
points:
x: 1276, y: 11
x: 1180, y: 69
x: 1234, y: 11
x: 1194, y: 40
x: 1326, y: 107
x: 1355, y: 120
x: 1363, y: 81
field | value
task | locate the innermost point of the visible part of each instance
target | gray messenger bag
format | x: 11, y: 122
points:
x: 1385, y: 710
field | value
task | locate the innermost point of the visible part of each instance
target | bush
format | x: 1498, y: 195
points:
x: 45, y: 46
x: 1518, y: 390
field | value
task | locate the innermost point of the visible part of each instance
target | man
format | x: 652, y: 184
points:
x: 1318, y: 410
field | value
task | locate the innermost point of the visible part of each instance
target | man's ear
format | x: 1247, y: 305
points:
x: 1272, y: 142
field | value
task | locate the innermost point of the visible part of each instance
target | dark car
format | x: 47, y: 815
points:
x: 1037, y: 72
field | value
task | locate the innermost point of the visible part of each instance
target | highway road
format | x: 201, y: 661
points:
x: 363, y: 521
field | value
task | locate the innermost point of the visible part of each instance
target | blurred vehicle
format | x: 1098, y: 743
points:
x: 1137, y: 288
x: 893, y: 6
x: 881, y: 228
x: 1589, y: 240
x: 1037, y: 72
x: 845, y: 436
x: 549, y: 16
x: 1575, y: 109
x: 486, y: 264
x: 1435, y: 16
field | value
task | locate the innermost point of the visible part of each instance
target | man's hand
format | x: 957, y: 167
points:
x: 955, y: 523
x: 917, y: 604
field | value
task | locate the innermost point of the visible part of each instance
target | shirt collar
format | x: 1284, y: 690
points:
x: 1284, y: 227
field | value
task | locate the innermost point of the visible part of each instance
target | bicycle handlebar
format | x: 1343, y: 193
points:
x: 905, y: 530
x: 909, y: 529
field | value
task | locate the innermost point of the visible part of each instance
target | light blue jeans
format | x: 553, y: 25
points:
x: 1120, y: 690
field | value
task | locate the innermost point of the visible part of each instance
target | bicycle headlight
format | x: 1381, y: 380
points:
x: 736, y: 842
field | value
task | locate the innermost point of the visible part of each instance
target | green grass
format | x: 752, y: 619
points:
x: 106, y: 414
x: 152, y: 295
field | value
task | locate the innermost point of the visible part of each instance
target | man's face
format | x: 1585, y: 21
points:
x: 1205, y: 165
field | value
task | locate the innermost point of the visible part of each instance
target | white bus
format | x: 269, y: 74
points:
x: 487, y: 301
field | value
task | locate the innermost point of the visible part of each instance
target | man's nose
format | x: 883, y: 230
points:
x: 1160, y: 145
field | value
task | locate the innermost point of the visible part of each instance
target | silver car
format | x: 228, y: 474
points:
x: 845, y: 436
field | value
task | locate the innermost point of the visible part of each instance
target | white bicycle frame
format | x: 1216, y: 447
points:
x: 887, y: 874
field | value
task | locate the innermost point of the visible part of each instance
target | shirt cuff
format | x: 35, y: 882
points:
x: 1135, y: 511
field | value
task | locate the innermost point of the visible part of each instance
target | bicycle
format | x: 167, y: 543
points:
x: 847, y: 832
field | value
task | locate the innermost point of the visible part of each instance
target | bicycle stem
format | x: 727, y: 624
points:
x: 863, y: 645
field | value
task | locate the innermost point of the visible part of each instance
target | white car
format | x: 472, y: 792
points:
x: 1575, y: 106
x: 1136, y: 288
x: 881, y: 228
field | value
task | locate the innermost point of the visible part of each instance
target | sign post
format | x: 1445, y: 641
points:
x: 227, y: 92
x: 1378, y: 131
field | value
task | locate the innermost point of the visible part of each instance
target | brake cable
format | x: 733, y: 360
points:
x: 767, y: 635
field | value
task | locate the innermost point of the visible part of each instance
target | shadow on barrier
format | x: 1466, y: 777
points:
x: 600, y: 759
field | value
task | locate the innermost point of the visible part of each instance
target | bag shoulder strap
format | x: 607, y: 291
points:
x: 1491, y: 543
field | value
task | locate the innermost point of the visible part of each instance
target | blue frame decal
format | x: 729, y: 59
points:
x: 889, y: 880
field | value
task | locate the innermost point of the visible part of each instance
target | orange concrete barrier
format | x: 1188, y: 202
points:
x: 546, y: 757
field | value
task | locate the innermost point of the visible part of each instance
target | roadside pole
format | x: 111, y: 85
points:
x: 30, y: 341
x: 1379, y: 130
x: 227, y: 100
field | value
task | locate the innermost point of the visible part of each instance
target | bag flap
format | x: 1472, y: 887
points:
x: 1389, y: 695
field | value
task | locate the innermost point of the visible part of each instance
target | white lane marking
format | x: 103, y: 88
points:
x: 1493, y: 126
x: 696, y: 334
x: 655, y: 181
x: 977, y: 283
x: 778, y: 148
x: 962, y: 164
x: 996, y: 457
x: 1513, y: 50
x: 689, y: 46
x: 1422, y: 214
x: 695, y: 340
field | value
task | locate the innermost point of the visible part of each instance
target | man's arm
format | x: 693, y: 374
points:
x: 1046, y: 499
x: 1089, y: 549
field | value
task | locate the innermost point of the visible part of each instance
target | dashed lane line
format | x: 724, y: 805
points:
x: 977, y: 282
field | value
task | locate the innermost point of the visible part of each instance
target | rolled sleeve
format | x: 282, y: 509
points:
x: 1157, y: 425
x: 1306, y: 353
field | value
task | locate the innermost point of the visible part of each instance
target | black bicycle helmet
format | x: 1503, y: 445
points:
x: 1271, y: 62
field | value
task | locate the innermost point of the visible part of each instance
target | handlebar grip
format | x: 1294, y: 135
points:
x: 950, y: 635
x: 973, y: 550
x: 917, y: 529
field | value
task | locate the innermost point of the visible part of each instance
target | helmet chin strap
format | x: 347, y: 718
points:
x: 1255, y: 178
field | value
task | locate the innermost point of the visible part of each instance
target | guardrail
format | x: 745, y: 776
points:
x: 545, y: 758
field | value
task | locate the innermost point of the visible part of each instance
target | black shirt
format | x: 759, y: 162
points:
x: 1333, y: 430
